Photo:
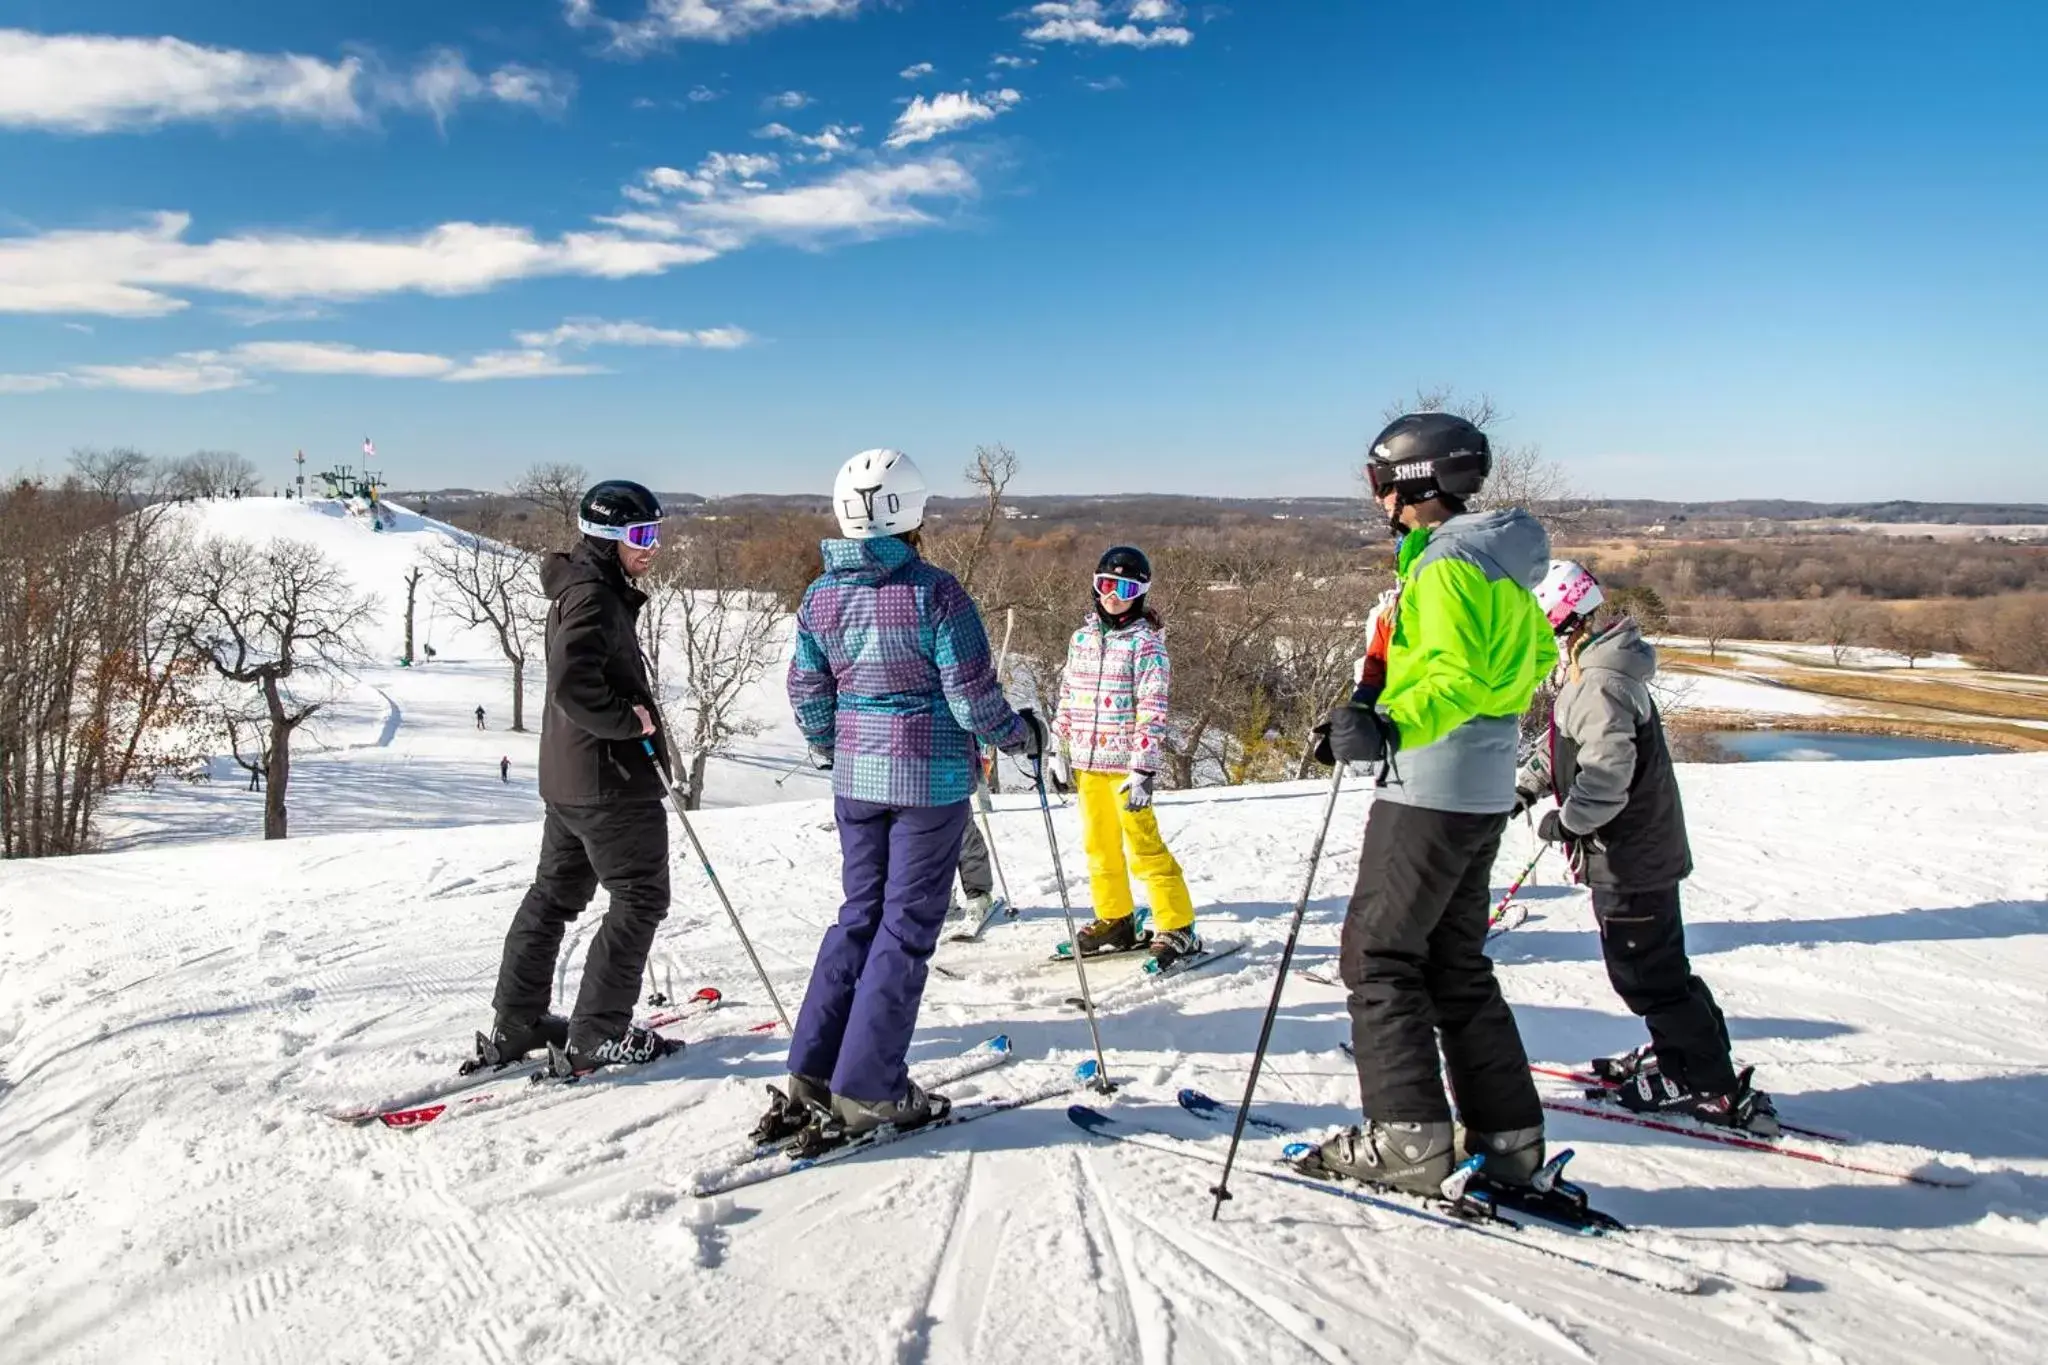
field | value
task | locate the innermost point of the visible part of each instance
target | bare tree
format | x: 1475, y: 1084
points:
x: 412, y: 584
x: 279, y: 619
x: 1716, y: 619
x: 213, y: 474
x: 556, y: 487
x: 990, y: 473
x: 1911, y: 638
x: 707, y: 640
x: 495, y: 585
x: 90, y: 680
x: 1841, y: 623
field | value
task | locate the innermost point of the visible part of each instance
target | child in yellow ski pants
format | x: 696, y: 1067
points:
x: 1107, y: 831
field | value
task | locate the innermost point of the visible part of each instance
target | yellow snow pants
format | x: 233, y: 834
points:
x: 1107, y: 829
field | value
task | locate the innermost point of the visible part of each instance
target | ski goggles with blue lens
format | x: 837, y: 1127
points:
x: 1122, y: 589
x: 641, y: 535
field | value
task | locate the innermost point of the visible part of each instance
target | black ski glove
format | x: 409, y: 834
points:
x: 1033, y: 743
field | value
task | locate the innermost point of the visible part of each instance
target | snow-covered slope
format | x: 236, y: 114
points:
x: 400, y: 748
x: 174, y: 1022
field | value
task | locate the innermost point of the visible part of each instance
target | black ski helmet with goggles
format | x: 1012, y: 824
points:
x: 621, y: 510
x: 1427, y: 455
x: 1124, y: 573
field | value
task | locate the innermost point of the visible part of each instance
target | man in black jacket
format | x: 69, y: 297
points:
x: 605, y: 818
x: 1620, y: 819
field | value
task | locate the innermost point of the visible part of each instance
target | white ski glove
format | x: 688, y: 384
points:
x: 1137, y: 790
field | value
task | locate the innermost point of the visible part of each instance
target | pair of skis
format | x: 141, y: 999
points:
x: 758, y: 1163
x: 479, y: 1085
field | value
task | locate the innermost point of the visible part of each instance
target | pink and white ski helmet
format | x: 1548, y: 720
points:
x: 1567, y: 592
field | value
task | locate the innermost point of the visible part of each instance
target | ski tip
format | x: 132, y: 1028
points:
x: 1195, y: 1102
x: 709, y: 995
x: 1094, y: 1120
x: 1087, y: 1071
x: 999, y: 1043
x: 1295, y: 1151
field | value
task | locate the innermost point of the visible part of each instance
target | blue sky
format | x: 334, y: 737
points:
x: 1740, y: 250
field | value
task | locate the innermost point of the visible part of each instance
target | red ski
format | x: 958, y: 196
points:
x: 1592, y: 1082
x: 1595, y: 1110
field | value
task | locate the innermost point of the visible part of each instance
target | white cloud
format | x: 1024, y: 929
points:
x: 835, y: 139
x: 917, y: 72
x: 583, y: 333
x: 30, y: 383
x: 713, y: 171
x: 518, y: 365
x: 94, y: 83
x: 147, y: 271
x: 1094, y: 22
x: 1106, y: 83
x: 788, y: 99
x: 1015, y: 63
x: 323, y: 357
x: 926, y: 119
x: 859, y: 203
x: 195, y: 373
x: 701, y: 21
x: 704, y: 94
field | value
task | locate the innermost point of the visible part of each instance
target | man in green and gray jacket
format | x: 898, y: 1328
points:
x: 1441, y: 716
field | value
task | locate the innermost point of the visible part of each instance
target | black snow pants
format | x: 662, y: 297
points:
x: 977, y: 878
x: 1642, y: 936
x: 1414, y: 959
x: 623, y: 846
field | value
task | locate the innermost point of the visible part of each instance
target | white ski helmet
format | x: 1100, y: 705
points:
x: 879, y: 493
x: 1569, y: 591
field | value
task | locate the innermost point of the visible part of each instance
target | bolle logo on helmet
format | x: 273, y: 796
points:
x: 891, y: 504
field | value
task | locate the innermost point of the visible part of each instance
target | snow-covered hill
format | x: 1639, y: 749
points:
x: 400, y: 748
x: 174, y: 1022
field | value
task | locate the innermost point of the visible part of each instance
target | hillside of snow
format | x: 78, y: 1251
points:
x: 178, y: 1023
x: 399, y: 747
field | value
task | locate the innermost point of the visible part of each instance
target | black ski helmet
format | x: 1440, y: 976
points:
x: 618, y: 502
x: 1426, y: 455
x: 1125, y: 561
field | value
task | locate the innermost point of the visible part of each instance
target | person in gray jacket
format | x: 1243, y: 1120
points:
x: 1620, y: 820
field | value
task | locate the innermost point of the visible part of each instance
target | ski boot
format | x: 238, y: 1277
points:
x: 1107, y: 936
x: 635, y: 1047
x: 1507, y: 1158
x: 845, y: 1119
x: 1412, y: 1158
x: 788, y: 1114
x: 1625, y: 1066
x: 510, y: 1040
x: 1171, y: 945
x: 1745, y: 1108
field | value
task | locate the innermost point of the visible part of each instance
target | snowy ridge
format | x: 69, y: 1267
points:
x: 174, y: 1022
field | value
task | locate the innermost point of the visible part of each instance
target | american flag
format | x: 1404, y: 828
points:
x: 369, y: 451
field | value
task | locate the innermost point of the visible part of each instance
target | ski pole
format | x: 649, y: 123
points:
x: 675, y: 799
x: 1502, y: 908
x: 790, y: 771
x: 988, y: 836
x: 1315, y: 857
x: 1103, y: 1084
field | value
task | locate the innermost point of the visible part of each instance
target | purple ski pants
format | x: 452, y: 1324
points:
x: 897, y: 870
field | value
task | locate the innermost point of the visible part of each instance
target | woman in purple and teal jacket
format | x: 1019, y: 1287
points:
x: 895, y: 691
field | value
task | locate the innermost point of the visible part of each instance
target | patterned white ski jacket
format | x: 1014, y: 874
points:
x: 1112, y: 712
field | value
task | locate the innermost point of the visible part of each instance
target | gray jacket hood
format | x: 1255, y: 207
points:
x: 1510, y: 537
x: 1621, y: 649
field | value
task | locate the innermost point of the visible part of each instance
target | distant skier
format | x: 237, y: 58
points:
x: 479, y: 717
x: 1112, y: 729
x: 505, y: 769
x: 893, y: 688
x: 1621, y: 821
x: 606, y: 823
x: 1467, y: 648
